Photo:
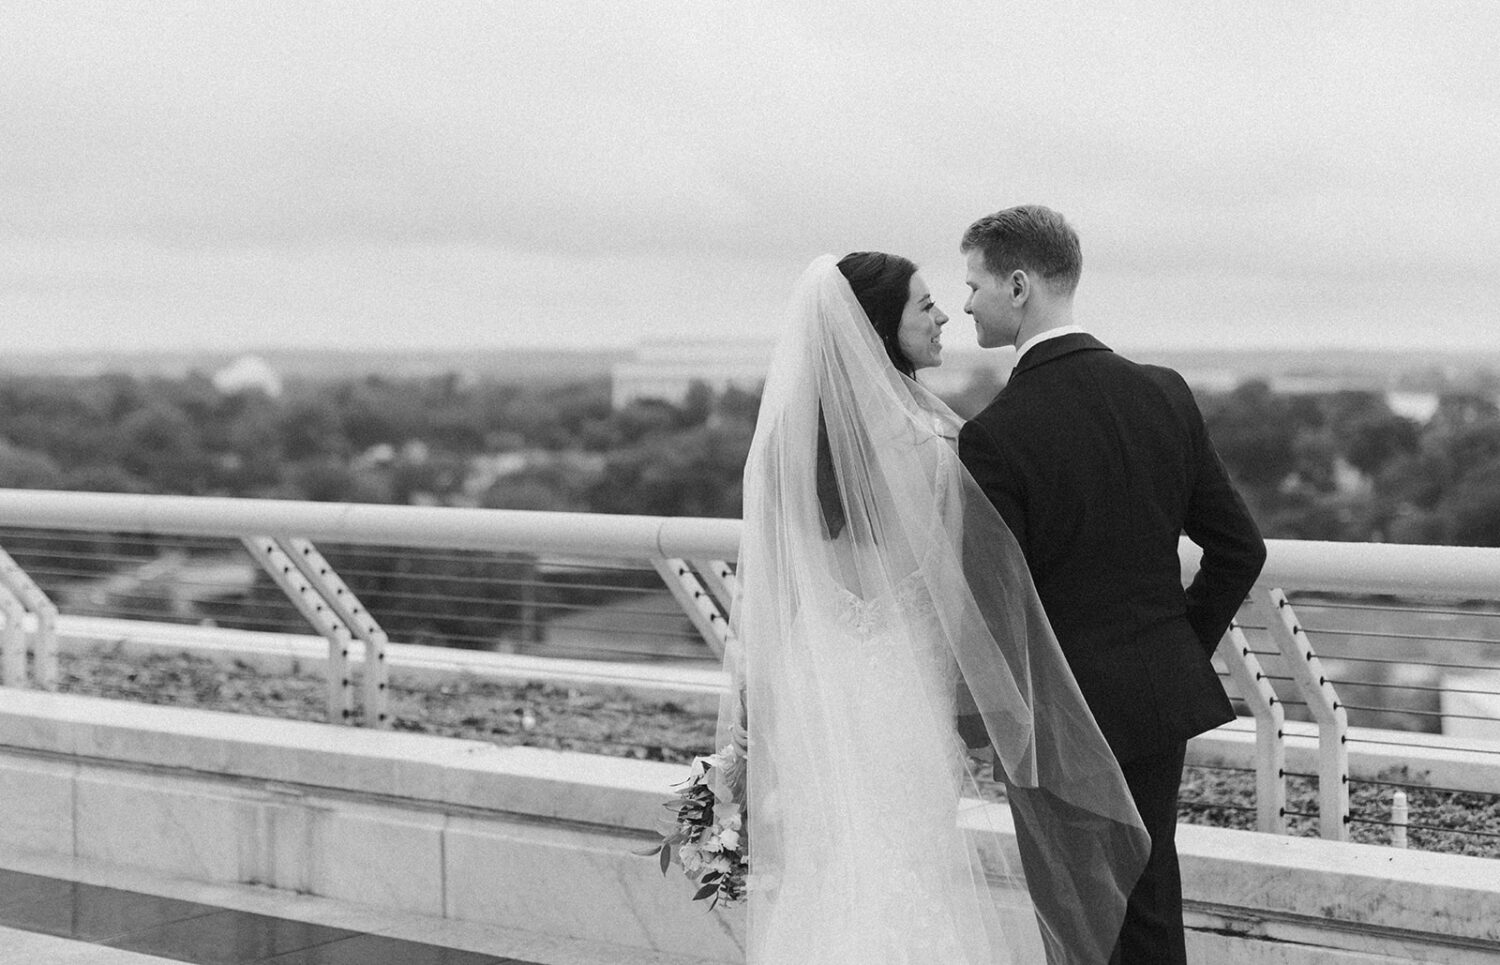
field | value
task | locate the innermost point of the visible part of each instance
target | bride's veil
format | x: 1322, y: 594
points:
x: 892, y: 558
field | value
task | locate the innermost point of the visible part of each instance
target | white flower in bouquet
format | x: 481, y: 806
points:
x: 728, y: 816
x: 709, y: 834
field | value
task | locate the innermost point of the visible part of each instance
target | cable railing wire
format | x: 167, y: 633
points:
x: 1392, y: 661
x: 1408, y: 637
x: 351, y: 575
x: 1467, y: 749
x: 1306, y: 604
x: 181, y: 596
x: 1418, y: 688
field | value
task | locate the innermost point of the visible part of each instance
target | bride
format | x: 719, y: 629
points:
x: 884, y: 609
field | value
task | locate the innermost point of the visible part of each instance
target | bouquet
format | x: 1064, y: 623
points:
x: 709, y: 836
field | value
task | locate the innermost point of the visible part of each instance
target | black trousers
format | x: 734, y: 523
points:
x: 1152, y: 933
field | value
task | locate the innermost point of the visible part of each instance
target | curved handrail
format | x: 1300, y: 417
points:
x: 374, y: 524
x: 1449, y: 571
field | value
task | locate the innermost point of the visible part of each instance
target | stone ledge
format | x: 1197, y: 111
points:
x: 1389, y: 889
x: 436, y: 771
x: 1304, y: 891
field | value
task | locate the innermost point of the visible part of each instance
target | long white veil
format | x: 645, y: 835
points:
x: 882, y: 600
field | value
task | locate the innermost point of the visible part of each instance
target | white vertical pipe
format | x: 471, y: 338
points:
x: 42, y: 609
x: 1270, y: 746
x: 1327, y: 711
x: 316, y: 610
x: 336, y: 593
x: 696, y: 603
x: 1398, y: 819
x: 718, y: 576
x: 12, y: 640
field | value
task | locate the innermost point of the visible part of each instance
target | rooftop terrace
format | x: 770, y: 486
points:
x: 1363, y: 666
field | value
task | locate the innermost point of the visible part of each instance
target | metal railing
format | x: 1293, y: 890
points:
x: 1356, y: 649
x: 1326, y: 619
x: 481, y: 579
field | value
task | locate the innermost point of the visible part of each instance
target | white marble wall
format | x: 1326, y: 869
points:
x: 36, y: 803
x: 188, y: 828
x: 543, y: 840
x: 576, y: 884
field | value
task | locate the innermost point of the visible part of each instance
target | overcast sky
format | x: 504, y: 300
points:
x: 557, y: 173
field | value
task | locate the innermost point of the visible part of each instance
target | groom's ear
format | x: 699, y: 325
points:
x: 1019, y: 283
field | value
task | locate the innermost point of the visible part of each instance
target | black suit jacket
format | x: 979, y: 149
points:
x: 1098, y: 465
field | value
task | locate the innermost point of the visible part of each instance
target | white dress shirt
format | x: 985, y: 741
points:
x: 1041, y: 337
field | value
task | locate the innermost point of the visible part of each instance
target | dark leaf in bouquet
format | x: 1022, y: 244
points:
x: 705, y: 891
x: 666, y: 857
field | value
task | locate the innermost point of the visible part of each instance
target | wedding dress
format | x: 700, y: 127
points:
x: 883, y: 599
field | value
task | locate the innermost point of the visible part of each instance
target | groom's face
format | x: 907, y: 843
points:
x: 995, y: 319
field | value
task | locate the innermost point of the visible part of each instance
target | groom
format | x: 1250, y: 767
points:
x: 1098, y: 464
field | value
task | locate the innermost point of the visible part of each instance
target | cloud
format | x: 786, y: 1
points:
x: 160, y: 148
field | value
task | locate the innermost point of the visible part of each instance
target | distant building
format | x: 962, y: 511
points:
x: 1409, y: 404
x: 1417, y: 406
x: 246, y: 373
x: 666, y: 370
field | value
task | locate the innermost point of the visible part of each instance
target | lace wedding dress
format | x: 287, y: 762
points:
x: 880, y: 603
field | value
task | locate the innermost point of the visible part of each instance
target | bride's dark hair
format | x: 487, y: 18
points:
x: 882, y: 285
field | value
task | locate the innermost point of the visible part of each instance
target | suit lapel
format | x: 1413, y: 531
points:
x: 1056, y: 348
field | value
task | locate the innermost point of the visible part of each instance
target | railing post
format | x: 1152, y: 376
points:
x: 696, y: 602
x: 356, y: 618
x: 44, y: 641
x: 1398, y: 819
x: 1270, y: 744
x: 718, y: 576
x: 12, y: 640
x: 1327, y: 711
x: 266, y: 551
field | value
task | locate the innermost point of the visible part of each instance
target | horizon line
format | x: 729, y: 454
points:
x: 444, y: 349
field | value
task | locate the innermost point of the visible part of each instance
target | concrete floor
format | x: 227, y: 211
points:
x: 368, y: 933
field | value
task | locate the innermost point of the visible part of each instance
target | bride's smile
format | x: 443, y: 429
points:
x: 921, y: 332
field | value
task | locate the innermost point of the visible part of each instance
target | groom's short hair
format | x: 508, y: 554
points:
x: 1031, y: 237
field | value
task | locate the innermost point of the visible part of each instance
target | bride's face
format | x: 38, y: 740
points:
x: 921, y: 332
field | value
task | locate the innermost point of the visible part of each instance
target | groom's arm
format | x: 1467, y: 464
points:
x: 981, y: 456
x: 1233, y: 551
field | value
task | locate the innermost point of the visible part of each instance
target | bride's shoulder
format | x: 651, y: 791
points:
x: 943, y: 421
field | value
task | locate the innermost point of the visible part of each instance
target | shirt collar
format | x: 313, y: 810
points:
x: 1041, y: 337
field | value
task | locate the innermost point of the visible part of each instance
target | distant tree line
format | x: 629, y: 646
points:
x: 1335, y: 465
x: 432, y: 441
x: 424, y: 440
x: 1343, y: 466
